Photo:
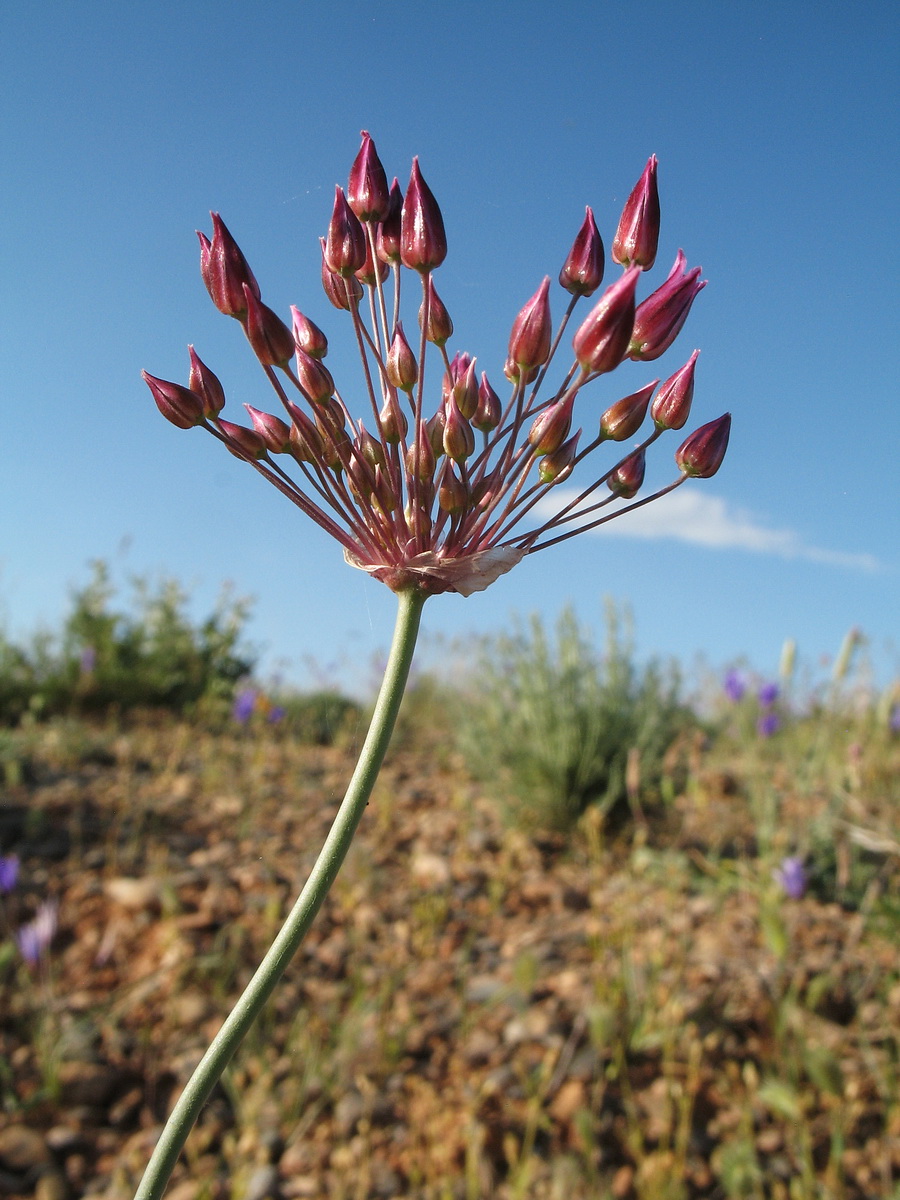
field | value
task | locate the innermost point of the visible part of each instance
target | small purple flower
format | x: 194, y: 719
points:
x: 9, y: 873
x: 34, y: 938
x: 244, y: 705
x: 768, y: 724
x: 792, y: 877
x: 276, y: 713
x: 894, y: 719
x: 767, y: 694
x: 734, y: 685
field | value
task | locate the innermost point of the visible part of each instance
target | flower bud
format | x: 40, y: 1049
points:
x: 515, y: 374
x: 626, y: 416
x: 372, y: 269
x: 459, y: 440
x: 529, y: 341
x: 453, y: 495
x: 177, y: 404
x: 426, y: 459
x: 392, y: 421
x: 314, y: 377
x: 660, y: 317
x: 582, y: 272
x: 434, y: 430
x: 306, y: 441
x: 336, y: 288
x: 602, y: 339
x: 383, y: 492
x: 367, y: 189
x: 551, y: 427
x: 423, y: 243
x: 672, y: 403
x: 439, y: 328
x: 275, y: 433
x: 700, y: 454
x: 400, y: 366
x: 489, y: 410
x: 465, y: 390
x: 637, y: 237
x: 626, y: 479
x: 556, y: 467
x: 206, y: 385
x: 224, y: 270
x: 307, y: 335
x: 242, y: 442
x: 272, y: 341
x: 387, y: 239
x: 369, y: 448
x: 345, y: 244
x: 332, y: 426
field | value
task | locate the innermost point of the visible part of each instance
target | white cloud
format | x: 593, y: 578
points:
x: 692, y: 515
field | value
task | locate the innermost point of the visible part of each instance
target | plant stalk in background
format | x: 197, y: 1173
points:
x: 428, y: 492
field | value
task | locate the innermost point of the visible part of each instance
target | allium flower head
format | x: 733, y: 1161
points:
x: 428, y: 488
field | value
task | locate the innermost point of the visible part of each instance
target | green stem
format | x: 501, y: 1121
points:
x: 308, y: 903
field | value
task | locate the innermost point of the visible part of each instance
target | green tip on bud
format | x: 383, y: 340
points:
x: 556, y: 467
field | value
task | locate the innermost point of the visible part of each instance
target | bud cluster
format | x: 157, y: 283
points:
x: 431, y: 497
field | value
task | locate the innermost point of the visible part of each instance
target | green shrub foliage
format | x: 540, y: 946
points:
x: 152, y: 655
x: 553, y: 722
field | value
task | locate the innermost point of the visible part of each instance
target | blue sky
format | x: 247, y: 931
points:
x: 776, y: 132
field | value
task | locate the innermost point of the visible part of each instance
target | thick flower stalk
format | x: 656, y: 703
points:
x: 428, y: 487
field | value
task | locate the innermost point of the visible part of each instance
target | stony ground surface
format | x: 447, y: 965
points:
x: 479, y: 1011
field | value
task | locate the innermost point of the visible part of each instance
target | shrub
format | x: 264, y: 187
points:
x: 152, y: 656
x: 563, y: 722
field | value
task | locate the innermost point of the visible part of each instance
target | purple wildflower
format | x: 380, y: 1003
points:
x: 734, y: 685
x: 34, y: 938
x: 275, y: 714
x: 244, y: 705
x: 792, y: 877
x: 9, y: 873
x: 894, y: 719
x: 767, y: 694
x: 768, y: 724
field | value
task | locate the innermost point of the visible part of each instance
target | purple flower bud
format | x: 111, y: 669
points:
x: 556, y: 467
x: 9, y: 873
x: 367, y: 189
x: 345, y: 244
x: 551, y: 427
x: 489, y: 410
x: 529, y: 341
x: 275, y: 433
x: 306, y: 441
x: 307, y: 335
x: 242, y: 442
x: 401, y: 367
x: 392, y: 421
x: 373, y: 269
x: 603, y: 337
x: 465, y: 390
x: 792, y: 877
x: 225, y: 271
x: 336, y: 288
x: 276, y: 714
x: 387, y: 240
x: 700, y: 454
x: 439, y: 329
x: 314, y: 377
x: 423, y: 243
x: 206, y: 385
x: 459, y: 440
x: 177, y: 404
x: 637, y: 237
x: 453, y: 495
x: 894, y: 719
x: 672, y: 403
x: 426, y: 459
x: 272, y: 341
x: 734, y: 685
x: 624, y: 418
x: 767, y: 694
x: 628, y: 476
x: 582, y: 272
x: 659, y: 319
